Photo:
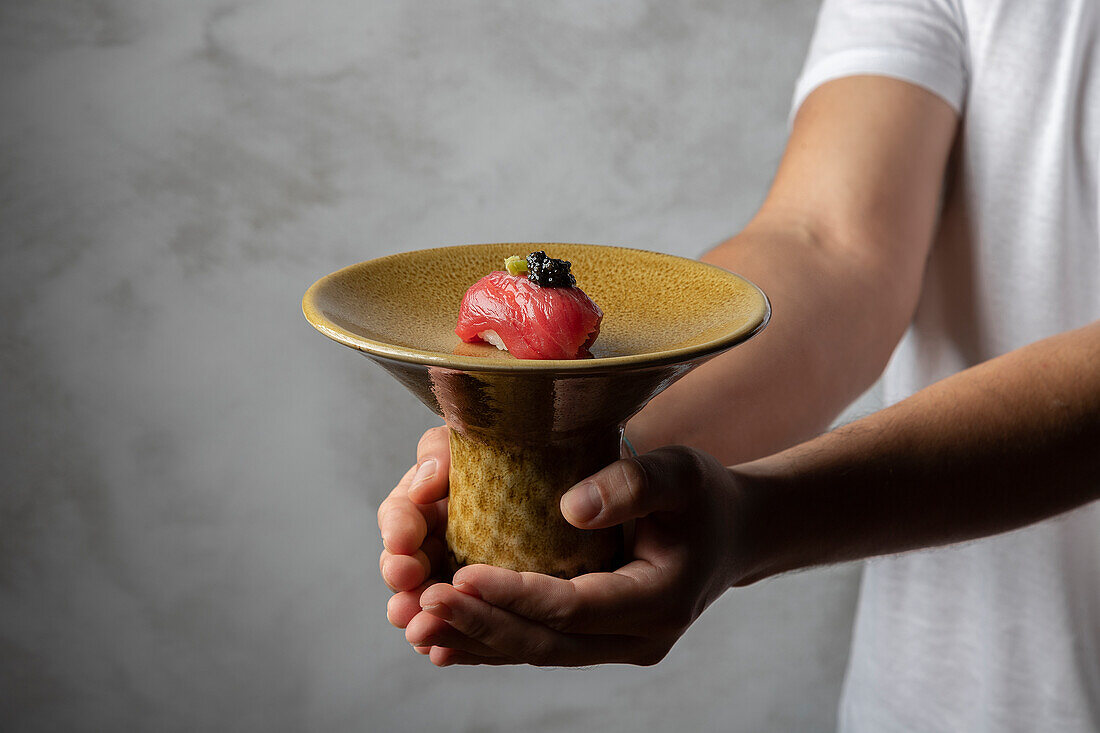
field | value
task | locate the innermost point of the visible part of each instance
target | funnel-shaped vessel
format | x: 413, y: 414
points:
x: 524, y: 431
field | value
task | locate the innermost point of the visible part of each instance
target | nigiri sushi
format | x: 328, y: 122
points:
x: 533, y: 311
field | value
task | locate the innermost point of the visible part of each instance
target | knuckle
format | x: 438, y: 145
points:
x: 481, y: 627
x: 560, y: 617
x: 633, y: 481
x: 690, y: 460
x: 555, y: 607
x: 691, y: 466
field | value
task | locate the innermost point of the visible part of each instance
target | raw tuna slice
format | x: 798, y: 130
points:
x: 528, y: 320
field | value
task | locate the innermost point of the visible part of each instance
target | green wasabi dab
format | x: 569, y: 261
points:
x: 515, y: 265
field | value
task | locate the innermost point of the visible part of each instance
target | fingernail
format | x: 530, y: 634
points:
x: 439, y: 610
x: 424, y: 472
x: 464, y: 587
x: 582, y: 503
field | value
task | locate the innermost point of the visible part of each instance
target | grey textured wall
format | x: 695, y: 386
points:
x: 190, y: 472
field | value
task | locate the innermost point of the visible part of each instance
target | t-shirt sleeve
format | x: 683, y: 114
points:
x: 919, y: 41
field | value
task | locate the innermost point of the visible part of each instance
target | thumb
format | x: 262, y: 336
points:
x: 632, y: 488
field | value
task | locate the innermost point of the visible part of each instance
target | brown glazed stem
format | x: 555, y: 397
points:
x: 504, y: 503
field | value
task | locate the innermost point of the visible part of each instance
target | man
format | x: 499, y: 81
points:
x: 935, y: 214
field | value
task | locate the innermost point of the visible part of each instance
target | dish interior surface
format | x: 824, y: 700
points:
x: 405, y: 306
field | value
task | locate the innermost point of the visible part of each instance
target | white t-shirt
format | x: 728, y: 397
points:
x: 1001, y: 634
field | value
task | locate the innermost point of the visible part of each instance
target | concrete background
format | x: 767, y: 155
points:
x: 190, y: 472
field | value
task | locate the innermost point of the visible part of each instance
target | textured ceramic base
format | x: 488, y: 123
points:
x: 504, y: 505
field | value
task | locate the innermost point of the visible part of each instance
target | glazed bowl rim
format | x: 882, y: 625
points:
x: 314, y: 313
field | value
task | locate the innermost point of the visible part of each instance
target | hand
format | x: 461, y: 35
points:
x: 413, y: 519
x: 686, y: 504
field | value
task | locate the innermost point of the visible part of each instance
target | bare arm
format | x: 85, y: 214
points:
x: 1006, y: 443
x: 839, y: 245
x: 998, y: 446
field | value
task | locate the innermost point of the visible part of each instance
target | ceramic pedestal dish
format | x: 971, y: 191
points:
x: 524, y: 431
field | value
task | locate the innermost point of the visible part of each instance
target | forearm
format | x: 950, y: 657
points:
x: 839, y: 246
x: 834, y: 325
x: 998, y: 446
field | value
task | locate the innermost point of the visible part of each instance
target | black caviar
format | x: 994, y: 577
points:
x: 549, y: 272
